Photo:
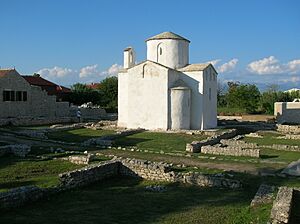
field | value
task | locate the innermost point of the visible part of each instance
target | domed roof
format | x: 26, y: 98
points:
x: 167, y: 35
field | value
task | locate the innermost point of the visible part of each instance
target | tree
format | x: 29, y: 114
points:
x: 82, y: 94
x: 109, y: 90
x: 243, y: 96
x: 221, y: 91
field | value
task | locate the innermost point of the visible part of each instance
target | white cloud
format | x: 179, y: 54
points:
x: 271, y: 66
x: 294, y: 66
x: 87, y: 74
x: 268, y: 65
x: 55, y: 72
x: 112, y: 70
x: 228, y: 66
x: 89, y: 70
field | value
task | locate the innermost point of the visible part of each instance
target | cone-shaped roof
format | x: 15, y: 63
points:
x: 167, y: 35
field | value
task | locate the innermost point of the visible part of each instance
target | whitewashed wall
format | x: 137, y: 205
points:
x: 174, y: 53
x: 146, y: 102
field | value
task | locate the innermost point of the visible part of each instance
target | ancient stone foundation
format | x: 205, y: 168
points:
x: 128, y: 167
x: 195, y: 146
x: 281, y: 210
x: 17, y: 150
x: 288, y: 129
x: 229, y: 151
x: 263, y: 195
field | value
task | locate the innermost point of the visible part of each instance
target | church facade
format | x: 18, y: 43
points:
x: 165, y: 91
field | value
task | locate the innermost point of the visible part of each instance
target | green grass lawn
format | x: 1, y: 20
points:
x: 125, y: 200
x: 277, y: 155
x: 158, y: 141
x: 16, y: 172
x: 269, y: 138
x: 78, y: 135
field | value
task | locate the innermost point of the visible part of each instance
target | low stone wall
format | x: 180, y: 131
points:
x: 229, y: 151
x: 196, y: 146
x: 129, y: 167
x: 147, y: 170
x: 90, y: 174
x: 282, y: 206
x: 238, y: 143
x: 263, y: 195
x: 65, y: 127
x: 288, y: 129
x: 93, y: 113
x: 289, y: 136
x: 19, y: 196
x: 294, y: 148
x: 17, y: 150
x: 80, y: 159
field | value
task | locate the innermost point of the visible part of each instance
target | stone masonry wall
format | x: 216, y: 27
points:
x: 19, y: 196
x: 129, y: 167
x: 195, y: 146
x: 18, y: 150
x: 90, y: 174
x: 281, y: 210
x: 288, y: 129
x: 229, y: 151
x: 147, y: 170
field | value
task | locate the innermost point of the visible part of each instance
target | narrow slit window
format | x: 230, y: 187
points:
x: 19, y: 96
x: 24, y: 96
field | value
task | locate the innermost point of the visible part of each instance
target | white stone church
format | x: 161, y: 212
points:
x: 165, y: 91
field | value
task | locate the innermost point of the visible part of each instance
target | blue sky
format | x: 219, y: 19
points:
x: 68, y: 41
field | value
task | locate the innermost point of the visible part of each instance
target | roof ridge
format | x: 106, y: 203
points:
x: 167, y: 35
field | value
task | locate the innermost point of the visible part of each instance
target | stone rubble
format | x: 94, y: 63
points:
x: 288, y: 129
x: 281, y: 210
x: 195, y: 146
x: 17, y: 149
x: 264, y: 195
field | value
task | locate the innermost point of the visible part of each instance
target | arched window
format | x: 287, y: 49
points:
x: 159, y: 51
x: 209, y: 93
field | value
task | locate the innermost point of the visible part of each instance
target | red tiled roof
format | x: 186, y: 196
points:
x: 5, y: 72
x: 63, y: 89
x: 93, y: 85
x: 38, y: 81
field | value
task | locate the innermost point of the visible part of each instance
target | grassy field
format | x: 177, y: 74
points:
x: 78, y: 135
x: 125, y: 200
x: 156, y: 141
x: 16, y: 172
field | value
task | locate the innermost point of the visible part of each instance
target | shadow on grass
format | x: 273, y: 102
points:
x: 268, y: 156
x: 124, y: 141
x: 15, y: 184
x: 125, y: 200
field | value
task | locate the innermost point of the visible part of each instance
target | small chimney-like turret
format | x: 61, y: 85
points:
x: 129, y: 57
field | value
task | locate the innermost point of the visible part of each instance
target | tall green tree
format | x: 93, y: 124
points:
x: 82, y: 94
x: 243, y: 96
x: 109, y: 90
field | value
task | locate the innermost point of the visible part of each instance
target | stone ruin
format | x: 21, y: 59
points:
x: 129, y: 167
x: 17, y: 150
x: 227, y: 143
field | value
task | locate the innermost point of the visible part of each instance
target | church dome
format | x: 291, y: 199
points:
x: 168, y: 49
x: 167, y: 35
